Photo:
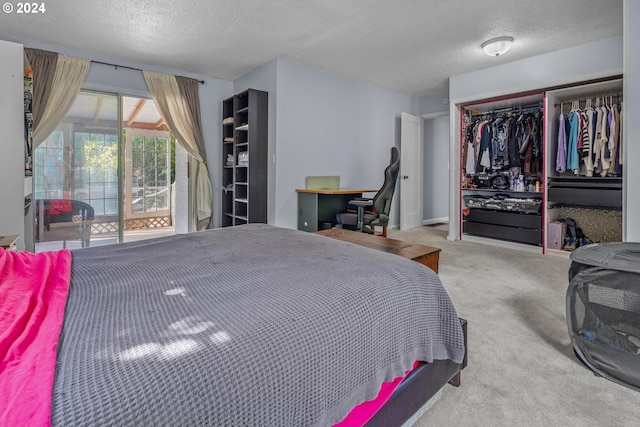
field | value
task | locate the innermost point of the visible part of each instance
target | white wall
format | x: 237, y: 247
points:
x: 601, y: 58
x: 322, y: 123
x: 432, y: 104
x: 12, y: 142
x: 435, y: 170
x: 588, y: 61
x: 630, y: 123
x: 328, y: 124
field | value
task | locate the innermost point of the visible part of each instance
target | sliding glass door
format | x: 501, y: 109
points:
x: 104, y: 175
x: 75, y: 177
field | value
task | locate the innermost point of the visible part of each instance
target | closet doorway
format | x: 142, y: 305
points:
x: 106, y: 175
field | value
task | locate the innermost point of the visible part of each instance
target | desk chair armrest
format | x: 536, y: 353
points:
x: 361, y: 202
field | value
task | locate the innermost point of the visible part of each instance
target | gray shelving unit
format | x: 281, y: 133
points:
x: 245, y: 158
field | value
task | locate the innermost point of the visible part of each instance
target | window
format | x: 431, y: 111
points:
x: 96, y: 171
x: 149, y: 170
x: 49, y: 167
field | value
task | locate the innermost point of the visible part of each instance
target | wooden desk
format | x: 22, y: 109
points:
x: 426, y: 255
x: 316, y: 206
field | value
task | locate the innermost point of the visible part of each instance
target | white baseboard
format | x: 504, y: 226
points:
x: 444, y: 219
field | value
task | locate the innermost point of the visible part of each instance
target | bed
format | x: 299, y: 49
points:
x: 253, y: 325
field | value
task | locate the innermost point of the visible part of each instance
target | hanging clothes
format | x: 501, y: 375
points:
x: 604, y: 141
x: 464, y: 148
x: 499, y: 149
x: 561, y: 155
x: 537, y: 132
x: 573, y: 163
x: 620, y: 145
x: 614, y: 126
x: 587, y: 149
x: 597, y: 140
x: 512, y: 142
x: 469, y: 151
x: 505, y: 141
x: 484, y: 157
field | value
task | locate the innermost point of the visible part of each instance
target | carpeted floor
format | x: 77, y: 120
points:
x: 522, y: 370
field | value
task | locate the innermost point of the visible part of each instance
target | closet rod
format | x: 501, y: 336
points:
x: 612, y: 94
x: 116, y: 66
x: 509, y: 109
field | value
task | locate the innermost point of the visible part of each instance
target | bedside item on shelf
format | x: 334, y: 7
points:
x: 230, y: 159
x: 482, y: 180
x: 500, y: 181
x: 9, y: 242
x: 243, y: 158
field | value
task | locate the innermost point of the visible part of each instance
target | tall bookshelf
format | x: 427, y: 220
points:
x: 244, y: 157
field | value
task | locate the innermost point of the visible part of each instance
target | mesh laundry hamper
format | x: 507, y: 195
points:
x: 603, y: 310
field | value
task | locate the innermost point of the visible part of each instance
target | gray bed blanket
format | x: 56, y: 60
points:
x: 245, y: 326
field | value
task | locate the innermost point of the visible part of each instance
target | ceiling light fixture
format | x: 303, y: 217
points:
x: 497, y: 46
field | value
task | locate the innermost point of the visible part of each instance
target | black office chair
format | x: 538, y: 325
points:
x: 370, y: 213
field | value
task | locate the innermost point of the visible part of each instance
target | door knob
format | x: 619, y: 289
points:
x: 404, y: 176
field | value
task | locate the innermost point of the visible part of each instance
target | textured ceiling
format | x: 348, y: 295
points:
x: 409, y: 46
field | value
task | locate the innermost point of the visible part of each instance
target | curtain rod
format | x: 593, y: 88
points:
x: 129, y: 68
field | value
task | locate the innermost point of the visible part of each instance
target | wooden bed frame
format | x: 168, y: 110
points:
x: 419, y: 386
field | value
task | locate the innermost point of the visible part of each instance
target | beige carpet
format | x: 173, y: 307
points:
x: 522, y: 370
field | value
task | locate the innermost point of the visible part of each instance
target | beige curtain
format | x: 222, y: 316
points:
x: 174, y: 109
x: 189, y: 89
x: 43, y: 64
x: 65, y: 85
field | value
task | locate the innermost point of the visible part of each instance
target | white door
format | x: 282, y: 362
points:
x: 410, y: 171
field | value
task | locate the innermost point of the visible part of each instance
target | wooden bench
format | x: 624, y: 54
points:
x: 426, y: 255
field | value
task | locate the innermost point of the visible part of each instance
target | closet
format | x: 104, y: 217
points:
x: 502, y: 167
x: 585, y: 162
x: 573, y: 176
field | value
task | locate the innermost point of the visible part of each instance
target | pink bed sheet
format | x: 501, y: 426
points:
x: 33, y: 294
x: 362, y: 413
